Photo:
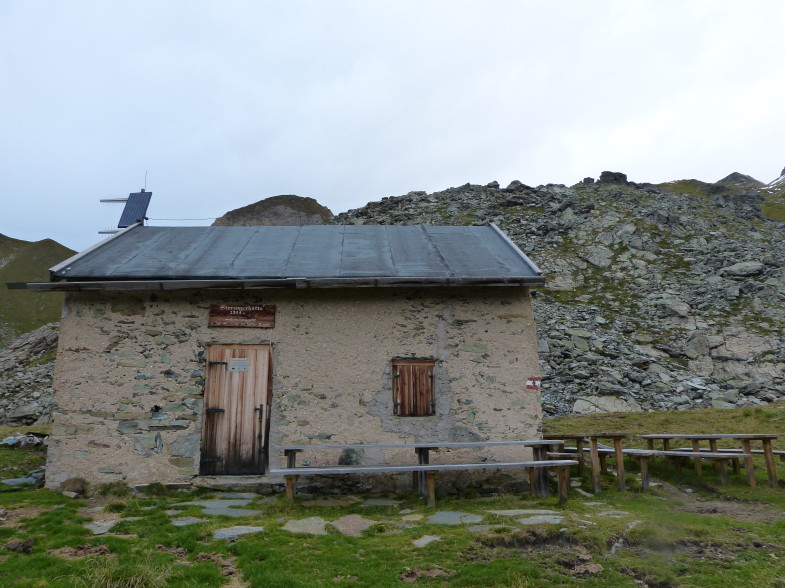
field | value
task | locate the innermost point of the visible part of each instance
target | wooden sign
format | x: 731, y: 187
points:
x: 242, y: 315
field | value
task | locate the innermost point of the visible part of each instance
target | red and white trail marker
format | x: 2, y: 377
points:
x: 533, y: 383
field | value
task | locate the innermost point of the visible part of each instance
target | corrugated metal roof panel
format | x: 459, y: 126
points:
x: 314, y: 252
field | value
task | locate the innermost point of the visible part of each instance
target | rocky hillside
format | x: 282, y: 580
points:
x: 26, y: 367
x: 27, y: 261
x: 277, y: 210
x: 658, y: 297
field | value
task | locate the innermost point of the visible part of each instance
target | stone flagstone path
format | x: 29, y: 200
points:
x: 352, y: 525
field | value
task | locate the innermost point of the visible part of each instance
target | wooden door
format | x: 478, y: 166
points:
x: 237, y: 399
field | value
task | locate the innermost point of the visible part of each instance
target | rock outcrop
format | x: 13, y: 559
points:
x: 277, y: 210
x: 26, y: 368
x: 658, y: 296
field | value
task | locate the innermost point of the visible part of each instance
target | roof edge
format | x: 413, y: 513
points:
x: 515, y: 248
x: 299, y: 283
x: 54, y: 269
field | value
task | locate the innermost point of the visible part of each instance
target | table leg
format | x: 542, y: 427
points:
x: 644, y: 461
x: 533, y: 481
x: 723, y: 472
x: 747, y: 447
x: 595, y: 464
x: 579, y: 448
x: 650, y: 444
x: 696, y: 447
x: 666, y: 446
x: 418, y: 478
x: 431, y: 483
x: 541, y: 454
x: 564, y: 484
x: 771, y: 467
x: 713, y: 449
x: 291, y: 457
x: 619, y: 464
x: 291, y: 482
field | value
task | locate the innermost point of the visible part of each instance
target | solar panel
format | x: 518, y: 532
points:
x: 135, y: 209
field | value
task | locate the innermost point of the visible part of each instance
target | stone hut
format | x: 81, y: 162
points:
x: 187, y: 354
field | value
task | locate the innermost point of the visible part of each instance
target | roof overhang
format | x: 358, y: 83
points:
x: 299, y: 283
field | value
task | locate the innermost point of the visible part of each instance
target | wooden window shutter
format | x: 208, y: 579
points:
x: 413, y: 389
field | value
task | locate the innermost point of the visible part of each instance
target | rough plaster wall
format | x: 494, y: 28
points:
x: 129, y: 377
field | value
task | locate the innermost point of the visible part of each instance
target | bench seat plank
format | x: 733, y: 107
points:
x: 434, y: 445
x: 291, y: 474
x: 370, y: 469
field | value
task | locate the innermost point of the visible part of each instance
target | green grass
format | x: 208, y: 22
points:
x: 760, y: 419
x: 17, y: 462
x: 712, y: 536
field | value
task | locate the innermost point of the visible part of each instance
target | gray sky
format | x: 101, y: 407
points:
x: 225, y: 103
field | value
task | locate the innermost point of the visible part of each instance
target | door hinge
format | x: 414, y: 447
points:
x: 217, y: 363
x: 212, y: 410
x: 211, y: 459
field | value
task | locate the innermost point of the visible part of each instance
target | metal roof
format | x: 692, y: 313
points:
x: 306, y: 256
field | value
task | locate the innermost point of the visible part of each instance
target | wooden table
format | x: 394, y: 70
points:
x: 745, y: 439
x: 422, y: 450
x: 595, y: 454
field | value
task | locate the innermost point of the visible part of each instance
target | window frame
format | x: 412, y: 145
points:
x: 413, y: 387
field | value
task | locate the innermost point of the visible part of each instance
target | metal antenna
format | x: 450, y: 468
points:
x: 145, y: 179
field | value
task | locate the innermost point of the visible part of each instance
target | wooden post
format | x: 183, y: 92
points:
x: 579, y: 448
x: 564, y: 484
x: 291, y: 482
x: 735, y: 462
x: 619, y: 463
x: 666, y: 446
x: 595, y: 464
x: 291, y: 457
x: 745, y: 444
x: 713, y: 449
x: 696, y: 447
x: 533, y: 482
x: 430, y: 480
x: 540, y: 453
x: 771, y: 467
x: 723, y: 463
x: 650, y: 443
x: 418, y: 478
x: 644, y: 461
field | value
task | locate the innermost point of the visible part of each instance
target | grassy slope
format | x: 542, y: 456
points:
x: 26, y: 261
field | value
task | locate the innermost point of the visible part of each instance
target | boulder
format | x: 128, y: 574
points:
x: 595, y: 404
x: 608, y: 177
x: 743, y: 269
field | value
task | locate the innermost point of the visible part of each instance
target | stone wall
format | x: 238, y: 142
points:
x: 129, y: 380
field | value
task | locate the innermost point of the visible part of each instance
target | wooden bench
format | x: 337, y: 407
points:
x: 744, y: 439
x: 292, y: 474
x: 721, y: 457
x: 644, y: 455
x: 424, y: 473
